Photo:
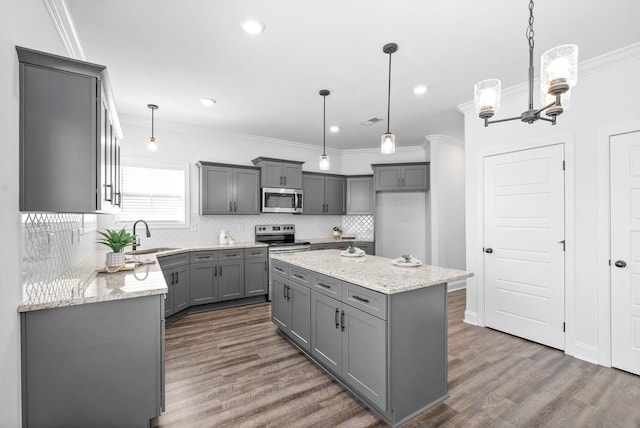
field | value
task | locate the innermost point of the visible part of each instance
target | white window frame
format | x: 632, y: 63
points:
x: 159, y: 164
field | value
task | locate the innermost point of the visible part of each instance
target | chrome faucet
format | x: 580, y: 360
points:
x: 136, y: 243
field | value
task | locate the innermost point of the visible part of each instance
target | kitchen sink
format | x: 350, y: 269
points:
x: 149, y: 251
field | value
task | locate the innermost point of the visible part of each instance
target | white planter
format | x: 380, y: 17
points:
x: 114, y: 260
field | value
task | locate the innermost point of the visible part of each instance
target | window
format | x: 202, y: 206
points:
x: 156, y: 193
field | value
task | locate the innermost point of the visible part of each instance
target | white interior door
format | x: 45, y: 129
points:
x: 524, y: 244
x: 625, y: 251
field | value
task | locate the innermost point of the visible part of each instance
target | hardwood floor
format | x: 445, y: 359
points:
x: 231, y: 368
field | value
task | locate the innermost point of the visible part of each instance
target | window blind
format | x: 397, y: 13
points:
x: 153, y: 194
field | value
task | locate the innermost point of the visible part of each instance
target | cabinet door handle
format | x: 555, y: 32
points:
x: 336, y: 318
x: 360, y: 299
x: 284, y: 290
x: 281, y: 183
x: 402, y: 181
x: 177, y: 277
x: 230, y: 206
x: 285, y: 180
x: 173, y: 278
x: 324, y: 285
x: 265, y: 266
x: 235, y: 206
x: 215, y: 271
x: 110, y: 193
x: 342, y: 321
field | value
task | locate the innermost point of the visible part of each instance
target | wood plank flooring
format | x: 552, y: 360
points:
x: 230, y: 368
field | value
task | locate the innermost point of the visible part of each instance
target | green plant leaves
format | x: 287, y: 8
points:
x: 116, y: 240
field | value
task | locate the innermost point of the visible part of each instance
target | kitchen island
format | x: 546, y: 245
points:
x: 380, y: 330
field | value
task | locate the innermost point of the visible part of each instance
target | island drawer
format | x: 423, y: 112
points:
x: 326, y: 285
x: 255, y: 253
x: 366, y: 300
x: 279, y: 268
x: 300, y: 275
x: 203, y: 256
x: 174, y: 260
x: 231, y: 254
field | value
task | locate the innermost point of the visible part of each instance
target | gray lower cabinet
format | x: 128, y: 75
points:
x: 175, y: 269
x: 256, y: 276
x: 401, y: 177
x: 229, y: 189
x: 324, y: 193
x: 216, y: 276
x: 97, y: 365
x: 360, y: 195
x: 291, y: 310
x: 389, y: 350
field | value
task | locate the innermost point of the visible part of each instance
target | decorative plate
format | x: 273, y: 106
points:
x: 400, y: 261
x: 358, y: 253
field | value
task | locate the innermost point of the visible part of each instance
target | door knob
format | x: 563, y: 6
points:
x: 620, y: 263
x: 488, y: 250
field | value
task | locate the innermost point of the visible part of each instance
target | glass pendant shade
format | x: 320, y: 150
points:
x: 324, y: 164
x: 487, y: 97
x: 388, y: 143
x: 152, y: 146
x: 559, y: 69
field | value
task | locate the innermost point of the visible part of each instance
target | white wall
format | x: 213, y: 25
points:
x: 23, y: 23
x: 447, y: 202
x: 606, y: 95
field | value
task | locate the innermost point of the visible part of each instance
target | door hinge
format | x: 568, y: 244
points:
x: 564, y: 326
x: 563, y: 165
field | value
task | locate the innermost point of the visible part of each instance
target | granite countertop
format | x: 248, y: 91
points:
x: 331, y: 240
x: 145, y: 280
x: 372, y: 272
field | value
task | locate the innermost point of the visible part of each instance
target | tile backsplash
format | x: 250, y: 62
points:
x: 56, y: 247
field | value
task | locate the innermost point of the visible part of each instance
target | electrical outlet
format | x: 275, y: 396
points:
x: 194, y: 227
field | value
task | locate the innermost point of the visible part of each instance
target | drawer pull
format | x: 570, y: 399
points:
x: 256, y: 254
x: 278, y: 269
x: 203, y: 257
x: 361, y: 299
x: 324, y: 285
x: 298, y: 276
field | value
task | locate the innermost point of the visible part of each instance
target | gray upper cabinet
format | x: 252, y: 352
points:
x: 280, y: 173
x: 324, y: 193
x: 229, y: 189
x: 360, y: 195
x: 63, y: 132
x: 401, y: 177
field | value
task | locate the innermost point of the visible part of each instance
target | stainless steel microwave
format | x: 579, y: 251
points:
x: 276, y: 200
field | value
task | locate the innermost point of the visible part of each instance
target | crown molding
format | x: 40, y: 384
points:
x: 590, y: 66
x: 63, y: 22
x: 441, y: 138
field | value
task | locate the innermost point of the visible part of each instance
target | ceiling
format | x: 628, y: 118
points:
x: 172, y: 53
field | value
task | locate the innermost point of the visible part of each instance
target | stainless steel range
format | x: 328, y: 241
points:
x: 281, y: 238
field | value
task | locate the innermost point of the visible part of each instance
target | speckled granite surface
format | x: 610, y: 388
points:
x: 372, y: 272
x: 144, y: 280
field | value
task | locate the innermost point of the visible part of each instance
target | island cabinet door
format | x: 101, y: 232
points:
x: 364, y: 358
x: 326, y: 333
x: 280, y: 308
x: 256, y: 281
x: 300, y: 301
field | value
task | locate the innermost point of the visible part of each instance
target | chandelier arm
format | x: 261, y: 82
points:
x: 544, y: 108
x: 553, y: 121
x: 487, y: 122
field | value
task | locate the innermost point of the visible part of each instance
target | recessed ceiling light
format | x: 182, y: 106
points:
x: 420, y: 89
x: 334, y: 128
x: 208, y: 102
x: 253, y: 26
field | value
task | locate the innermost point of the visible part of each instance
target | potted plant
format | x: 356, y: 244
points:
x: 117, y: 241
x: 337, y: 232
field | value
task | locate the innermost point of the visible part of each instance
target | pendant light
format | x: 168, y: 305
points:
x: 388, y: 140
x: 324, y: 164
x: 559, y: 74
x: 152, y: 146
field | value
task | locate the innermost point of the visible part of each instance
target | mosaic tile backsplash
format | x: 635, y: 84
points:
x: 54, y: 245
